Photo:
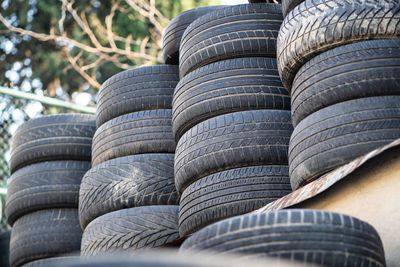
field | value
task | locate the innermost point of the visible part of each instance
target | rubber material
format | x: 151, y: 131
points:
x: 130, y: 230
x: 54, y: 137
x: 53, y: 262
x: 340, y: 133
x: 142, y: 88
x: 140, y: 132
x: 230, y: 32
x: 316, y: 26
x: 240, y: 139
x: 51, y: 184
x: 224, y: 87
x: 289, y: 5
x: 5, y: 248
x: 230, y: 193
x: 127, y: 182
x: 307, y: 236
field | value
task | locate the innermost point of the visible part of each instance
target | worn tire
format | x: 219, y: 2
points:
x: 140, y: 132
x: 54, y: 137
x: 5, y: 248
x: 230, y: 32
x: 138, y: 89
x: 308, y: 236
x: 316, y: 26
x: 364, y: 69
x: 230, y: 193
x: 175, y: 29
x: 224, y: 87
x: 131, y: 229
x: 235, y: 140
x: 54, y: 262
x: 340, y: 133
x: 289, y: 5
x: 43, y: 234
x: 51, y: 184
x: 127, y: 182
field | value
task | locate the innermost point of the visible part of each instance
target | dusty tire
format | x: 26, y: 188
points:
x: 316, y: 26
x: 44, y: 234
x: 289, y: 5
x: 5, y: 248
x: 51, y: 184
x: 308, y: 236
x: 175, y: 29
x: 127, y: 182
x: 234, y: 140
x: 53, y: 262
x: 54, y: 137
x: 230, y: 193
x: 224, y: 87
x: 337, y: 134
x: 140, y: 132
x: 131, y: 229
x: 230, y: 32
x: 364, y: 69
x: 138, y: 89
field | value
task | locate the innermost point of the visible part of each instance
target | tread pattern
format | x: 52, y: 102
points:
x: 364, y: 69
x: 289, y: 5
x: 143, y: 88
x: 51, y: 184
x: 230, y: 193
x: 127, y: 182
x: 140, y: 132
x: 316, y: 26
x: 44, y: 234
x: 230, y: 32
x: 54, y: 137
x: 224, y: 87
x: 235, y: 140
x: 131, y: 229
x: 308, y: 236
x: 340, y: 133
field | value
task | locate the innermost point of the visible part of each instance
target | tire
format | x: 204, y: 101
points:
x: 230, y: 32
x: 364, y: 69
x: 140, y: 132
x: 289, y: 5
x: 313, y: 28
x: 5, y: 248
x: 138, y: 89
x: 230, y: 193
x: 340, y: 133
x: 55, y: 137
x: 44, y: 234
x: 235, y: 140
x: 52, y: 262
x: 224, y: 87
x: 175, y: 29
x: 307, y: 236
x: 131, y: 229
x: 51, y: 184
x: 127, y: 182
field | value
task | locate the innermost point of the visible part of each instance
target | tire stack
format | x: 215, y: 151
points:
x: 128, y: 199
x: 230, y: 115
x: 49, y: 156
x: 341, y: 62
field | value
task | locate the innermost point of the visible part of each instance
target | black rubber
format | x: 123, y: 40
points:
x: 340, y: 133
x: 44, y: 234
x: 54, y: 262
x: 130, y: 230
x: 224, y: 87
x: 316, y: 26
x: 230, y: 193
x: 127, y: 182
x: 348, y: 72
x: 142, y: 88
x: 51, y: 184
x: 265, y: 1
x: 307, y: 236
x: 54, y: 137
x: 289, y: 5
x: 175, y: 29
x: 140, y: 132
x: 5, y: 248
x: 230, y: 32
x: 235, y: 140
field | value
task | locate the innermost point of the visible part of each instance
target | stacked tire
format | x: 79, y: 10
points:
x: 341, y: 62
x: 128, y: 200
x: 49, y: 156
x: 230, y: 115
